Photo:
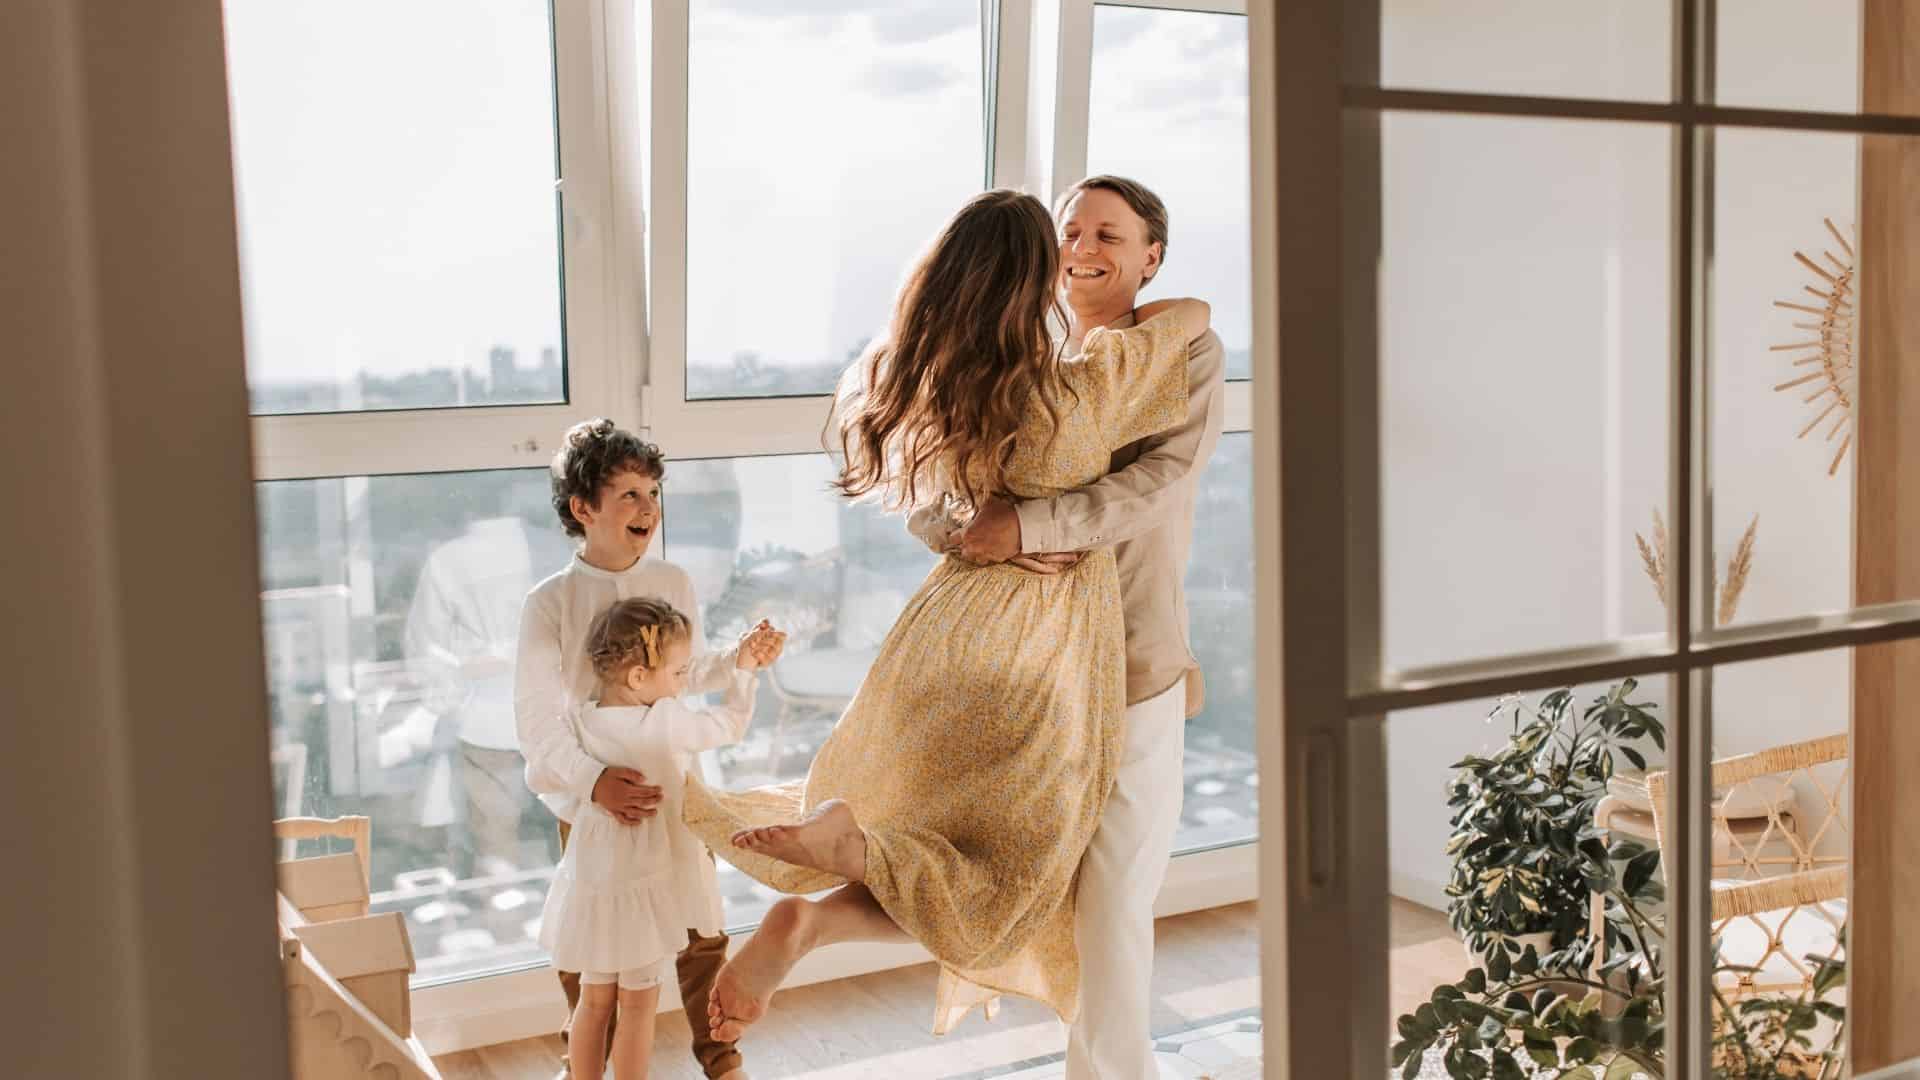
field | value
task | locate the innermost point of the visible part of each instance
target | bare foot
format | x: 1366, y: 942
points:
x: 745, y: 985
x: 827, y: 839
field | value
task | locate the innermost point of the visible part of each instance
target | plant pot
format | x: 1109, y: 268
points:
x: 1541, y: 940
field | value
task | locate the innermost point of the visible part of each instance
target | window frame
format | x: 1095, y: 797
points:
x: 753, y: 426
x: 1323, y: 703
x: 604, y: 342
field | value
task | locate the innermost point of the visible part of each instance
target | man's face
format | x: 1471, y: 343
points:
x: 627, y: 517
x: 1104, y: 254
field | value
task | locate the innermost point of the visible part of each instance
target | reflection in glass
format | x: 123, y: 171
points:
x: 1168, y: 107
x: 391, y: 609
x: 826, y: 144
x: 397, y: 218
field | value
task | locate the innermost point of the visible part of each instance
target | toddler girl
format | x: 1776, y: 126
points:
x: 624, y: 896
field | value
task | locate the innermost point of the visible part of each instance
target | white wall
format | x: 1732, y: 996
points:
x: 1525, y: 333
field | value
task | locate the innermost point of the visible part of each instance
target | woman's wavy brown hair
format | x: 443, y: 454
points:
x: 941, y: 396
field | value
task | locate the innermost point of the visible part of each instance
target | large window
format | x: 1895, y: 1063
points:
x: 688, y: 215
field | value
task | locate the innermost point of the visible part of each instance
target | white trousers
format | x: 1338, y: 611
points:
x: 1119, y: 880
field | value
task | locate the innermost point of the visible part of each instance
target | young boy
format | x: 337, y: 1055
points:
x: 606, y: 491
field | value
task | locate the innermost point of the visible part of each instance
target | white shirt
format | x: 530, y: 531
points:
x: 552, y: 675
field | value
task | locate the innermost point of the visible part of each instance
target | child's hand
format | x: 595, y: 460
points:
x: 760, y: 647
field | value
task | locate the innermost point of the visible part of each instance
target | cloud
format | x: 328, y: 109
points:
x: 1119, y: 29
x: 1169, y: 93
x: 896, y: 79
x: 923, y: 20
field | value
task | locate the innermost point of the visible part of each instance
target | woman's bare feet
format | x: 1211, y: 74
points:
x: 827, y: 839
x: 745, y: 985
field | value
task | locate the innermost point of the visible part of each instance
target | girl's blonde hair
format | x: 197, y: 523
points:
x: 634, y: 631
x: 968, y: 352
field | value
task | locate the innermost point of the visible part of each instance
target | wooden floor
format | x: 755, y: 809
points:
x: 1206, y: 965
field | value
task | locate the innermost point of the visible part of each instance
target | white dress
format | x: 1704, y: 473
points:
x: 624, y: 896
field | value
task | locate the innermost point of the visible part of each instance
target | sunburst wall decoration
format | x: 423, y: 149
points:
x: 1832, y: 346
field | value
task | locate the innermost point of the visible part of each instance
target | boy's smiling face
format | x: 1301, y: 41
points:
x: 621, y: 528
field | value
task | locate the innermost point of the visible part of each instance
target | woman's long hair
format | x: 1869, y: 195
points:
x: 970, y: 345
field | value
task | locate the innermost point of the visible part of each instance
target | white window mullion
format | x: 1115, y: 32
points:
x: 666, y: 379
x: 589, y: 228
x: 413, y: 441
x: 624, y: 95
x: 1073, y: 94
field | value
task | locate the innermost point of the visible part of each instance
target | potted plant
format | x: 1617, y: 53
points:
x: 1510, y: 1020
x: 1527, y: 856
x: 1532, y: 1011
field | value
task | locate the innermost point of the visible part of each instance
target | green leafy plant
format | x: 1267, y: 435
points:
x: 1558, y: 1014
x: 1772, y: 1037
x: 1512, y: 1019
x: 1526, y: 853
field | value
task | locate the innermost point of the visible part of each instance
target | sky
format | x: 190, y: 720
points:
x: 396, y: 188
x: 1168, y: 107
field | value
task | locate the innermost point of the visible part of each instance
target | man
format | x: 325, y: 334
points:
x: 1113, y: 238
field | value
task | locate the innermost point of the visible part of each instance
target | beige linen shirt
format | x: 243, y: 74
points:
x: 1143, y: 509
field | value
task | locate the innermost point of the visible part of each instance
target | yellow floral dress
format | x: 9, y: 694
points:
x: 979, y: 752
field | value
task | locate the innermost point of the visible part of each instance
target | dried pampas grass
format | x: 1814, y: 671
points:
x: 1653, y: 557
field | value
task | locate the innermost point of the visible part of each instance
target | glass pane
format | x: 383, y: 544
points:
x: 1550, y: 48
x: 1526, y: 884
x: 1782, y: 847
x: 766, y: 538
x: 826, y: 144
x: 1811, y: 465
x: 1804, y: 54
x: 391, y: 608
x: 1524, y: 337
x: 1222, y: 767
x: 397, y: 218
x: 1182, y: 133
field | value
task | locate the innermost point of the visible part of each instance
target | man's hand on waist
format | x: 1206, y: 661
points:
x: 1050, y: 563
x: 993, y: 536
x: 626, y: 795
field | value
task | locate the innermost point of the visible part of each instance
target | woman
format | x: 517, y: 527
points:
x: 966, y: 778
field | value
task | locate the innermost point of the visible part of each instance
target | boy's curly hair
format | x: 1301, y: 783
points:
x: 593, y: 453
x: 634, y: 631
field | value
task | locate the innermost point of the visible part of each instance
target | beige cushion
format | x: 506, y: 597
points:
x: 1759, y: 797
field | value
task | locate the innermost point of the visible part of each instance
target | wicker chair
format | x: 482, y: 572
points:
x: 1777, y: 898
